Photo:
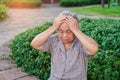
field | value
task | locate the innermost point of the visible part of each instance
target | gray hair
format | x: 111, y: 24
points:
x: 68, y: 13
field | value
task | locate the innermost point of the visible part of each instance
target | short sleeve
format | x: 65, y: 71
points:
x: 83, y: 50
x: 47, y: 45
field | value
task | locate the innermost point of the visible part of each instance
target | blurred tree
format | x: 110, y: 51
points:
x: 109, y: 3
x: 102, y: 4
x: 118, y: 2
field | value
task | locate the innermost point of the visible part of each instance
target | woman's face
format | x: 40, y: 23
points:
x: 65, y: 34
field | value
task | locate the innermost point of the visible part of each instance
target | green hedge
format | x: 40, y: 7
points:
x: 33, y: 62
x: 24, y: 3
x: 105, y: 65
x: 70, y: 3
x: 3, y: 12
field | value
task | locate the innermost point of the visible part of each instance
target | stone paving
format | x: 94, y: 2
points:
x: 19, y: 21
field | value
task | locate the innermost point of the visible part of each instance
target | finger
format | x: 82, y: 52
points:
x: 62, y: 21
x: 62, y: 17
x: 68, y: 23
x: 71, y: 18
x: 71, y: 21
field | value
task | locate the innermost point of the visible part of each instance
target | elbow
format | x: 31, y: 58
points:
x: 94, y: 51
x: 33, y: 45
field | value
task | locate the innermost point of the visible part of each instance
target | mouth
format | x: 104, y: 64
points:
x: 65, y: 40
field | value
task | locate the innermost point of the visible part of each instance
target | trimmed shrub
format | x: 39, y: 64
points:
x: 105, y: 65
x: 24, y: 3
x: 3, y: 12
x: 33, y: 62
x: 71, y: 3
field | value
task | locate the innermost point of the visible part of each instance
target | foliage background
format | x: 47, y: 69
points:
x: 105, y: 65
x: 70, y: 3
x: 3, y: 10
x: 22, y: 3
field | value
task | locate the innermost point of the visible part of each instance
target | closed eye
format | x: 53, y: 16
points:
x: 69, y: 31
x: 60, y: 31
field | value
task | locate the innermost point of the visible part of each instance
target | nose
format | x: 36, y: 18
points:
x: 65, y: 35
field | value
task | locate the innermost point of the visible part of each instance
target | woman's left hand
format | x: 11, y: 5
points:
x: 72, y: 23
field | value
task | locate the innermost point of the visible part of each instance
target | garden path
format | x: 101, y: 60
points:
x: 19, y: 21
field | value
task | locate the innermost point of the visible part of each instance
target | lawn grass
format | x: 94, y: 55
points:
x: 97, y: 10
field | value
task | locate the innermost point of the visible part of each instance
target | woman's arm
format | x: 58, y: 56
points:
x: 87, y: 42
x: 41, y: 38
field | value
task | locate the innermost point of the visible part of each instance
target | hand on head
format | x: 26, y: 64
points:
x: 69, y: 20
x: 72, y: 23
x: 58, y: 21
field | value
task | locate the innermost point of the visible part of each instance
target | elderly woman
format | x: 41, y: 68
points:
x: 69, y: 48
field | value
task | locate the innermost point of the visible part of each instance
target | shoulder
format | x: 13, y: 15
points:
x: 53, y: 38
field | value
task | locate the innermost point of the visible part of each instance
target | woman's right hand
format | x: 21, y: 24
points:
x: 58, y: 21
